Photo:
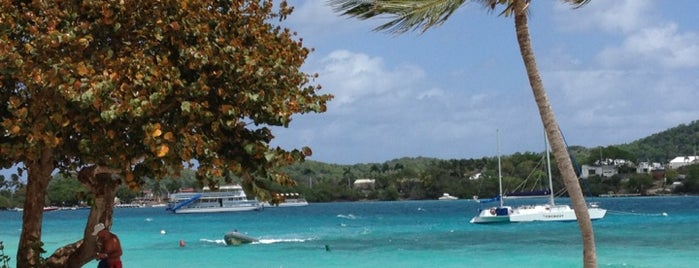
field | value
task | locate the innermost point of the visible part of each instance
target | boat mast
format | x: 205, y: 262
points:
x: 499, y: 169
x: 548, y: 169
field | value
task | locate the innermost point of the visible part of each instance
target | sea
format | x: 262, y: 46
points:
x: 636, y: 232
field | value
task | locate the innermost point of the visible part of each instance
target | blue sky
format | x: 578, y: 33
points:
x: 615, y: 71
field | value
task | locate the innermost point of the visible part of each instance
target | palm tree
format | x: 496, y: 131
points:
x: 421, y: 15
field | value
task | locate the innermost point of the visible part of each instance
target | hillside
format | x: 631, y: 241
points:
x: 658, y: 147
x: 663, y: 146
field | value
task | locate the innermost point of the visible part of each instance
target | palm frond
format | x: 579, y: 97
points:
x: 419, y: 15
x: 405, y: 15
x: 577, y: 3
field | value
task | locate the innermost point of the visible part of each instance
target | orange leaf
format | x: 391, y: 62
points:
x: 162, y: 151
x: 82, y: 70
x: 169, y: 136
x: 156, y: 133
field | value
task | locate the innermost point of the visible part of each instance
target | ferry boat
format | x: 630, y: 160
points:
x: 227, y: 198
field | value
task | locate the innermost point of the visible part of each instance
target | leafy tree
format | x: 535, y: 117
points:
x: 65, y: 190
x: 639, y: 183
x: 127, y: 90
x: 691, y: 182
x: 422, y: 15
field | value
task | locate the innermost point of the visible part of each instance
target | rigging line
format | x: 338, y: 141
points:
x: 521, y: 186
x: 576, y: 166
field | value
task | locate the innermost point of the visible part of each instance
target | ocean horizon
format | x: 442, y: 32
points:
x: 636, y: 232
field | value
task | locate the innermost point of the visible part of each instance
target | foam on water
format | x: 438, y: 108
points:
x: 638, y: 232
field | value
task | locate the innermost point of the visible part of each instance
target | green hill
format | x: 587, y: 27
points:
x: 662, y: 147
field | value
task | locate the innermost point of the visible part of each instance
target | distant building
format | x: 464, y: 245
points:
x: 612, y: 162
x: 364, y: 184
x: 602, y: 171
x: 681, y: 161
x: 648, y: 168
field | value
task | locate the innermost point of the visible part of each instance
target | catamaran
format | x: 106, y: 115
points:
x: 497, y: 214
x: 551, y: 211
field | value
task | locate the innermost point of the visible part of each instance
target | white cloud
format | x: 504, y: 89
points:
x: 655, y: 47
x: 610, y: 16
x: 431, y: 93
x: 354, y: 77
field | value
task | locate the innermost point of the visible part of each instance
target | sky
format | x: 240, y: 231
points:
x: 615, y: 72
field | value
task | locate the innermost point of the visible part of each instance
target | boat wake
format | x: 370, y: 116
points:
x: 274, y: 241
x: 348, y: 216
x: 213, y: 241
x: 664, y: 214
x: 259, y: 241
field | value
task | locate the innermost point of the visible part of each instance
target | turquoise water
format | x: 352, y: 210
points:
x: 387, y: 234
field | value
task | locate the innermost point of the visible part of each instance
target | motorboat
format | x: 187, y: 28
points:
x: 447, y: 196
x: 234, y: 238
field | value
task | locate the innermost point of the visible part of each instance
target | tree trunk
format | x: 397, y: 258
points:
x: 558, y: 147
x: 103, y: 187
x: 38, y: 176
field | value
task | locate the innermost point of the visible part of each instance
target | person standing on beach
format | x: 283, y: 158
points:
x: 108, y: 247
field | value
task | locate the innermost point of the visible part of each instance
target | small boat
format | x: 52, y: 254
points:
x: 288, y: 200
x: 234, y: 238
x: 227, y: 198
x: 51, y: 208
x: 447, y: 196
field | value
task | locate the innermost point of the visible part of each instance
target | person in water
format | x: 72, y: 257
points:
x: 108, y: 247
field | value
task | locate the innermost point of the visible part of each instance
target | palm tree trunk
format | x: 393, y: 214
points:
x: 558, y: 147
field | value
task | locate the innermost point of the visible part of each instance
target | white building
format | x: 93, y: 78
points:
x: 683, y: 161
x: 364, y: 184
x: 602, y: 171
x: 647, y: 167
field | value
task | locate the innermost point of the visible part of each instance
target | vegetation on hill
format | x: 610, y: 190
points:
x: 429, y: 178
x: 661, y: 147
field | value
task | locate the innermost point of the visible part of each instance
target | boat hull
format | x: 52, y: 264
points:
x: 493, y: 215
x: 551, y: 213
x: 236, y: 238
x: 288, y: 203
x: 236, y: 208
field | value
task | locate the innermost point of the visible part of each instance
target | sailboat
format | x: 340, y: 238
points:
x: 498, y: 214
x: 551, y: 211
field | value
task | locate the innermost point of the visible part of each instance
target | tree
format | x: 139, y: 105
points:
x: 639, y: 183
x: 65, y: 191
x: 126, y: 90
x: 422, y: 15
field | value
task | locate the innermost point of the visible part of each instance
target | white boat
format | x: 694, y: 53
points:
x: 289, y: 200
x: 447, y: 196
x: 551, y: 211
x: 498, y: 214
x: 228, y: 198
